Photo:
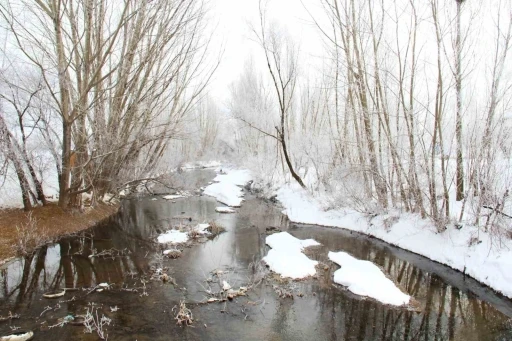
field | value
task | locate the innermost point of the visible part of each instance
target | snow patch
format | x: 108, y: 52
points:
x: 366, y: 279
x: 172, y: 196
x: 224, y: 210
x: 225, y: 286
x: 202, y: 228
x: 237, y: 177
x: 173, y: 237
x: 286, y: 242
x: 286, y: 257
x: 226, y: 187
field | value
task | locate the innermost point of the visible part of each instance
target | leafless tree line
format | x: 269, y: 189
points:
x: 410, y: 111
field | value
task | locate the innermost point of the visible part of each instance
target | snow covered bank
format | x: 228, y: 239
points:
x: 366, y: 279
x: 466, y: 249
x: 226, y: 188
x: 286, y: 257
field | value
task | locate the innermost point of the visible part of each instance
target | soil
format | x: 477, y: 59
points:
x: 22, y: 232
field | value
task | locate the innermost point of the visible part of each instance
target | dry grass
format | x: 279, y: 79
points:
x: 194, y: 234
x: 173, y: 254
x: 215, y: 228
x: 29, y: 236
x: 43, y: 224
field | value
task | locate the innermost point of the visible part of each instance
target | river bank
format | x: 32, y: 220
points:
x: 22, y: 232
x: 471, y: 250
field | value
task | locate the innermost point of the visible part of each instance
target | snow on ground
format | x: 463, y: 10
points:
x: 173, y: 237
x: 224, y: 210
x: 286, y: 257
x: 485, y: 260
x: 366, y: 279
x: 226, y: 187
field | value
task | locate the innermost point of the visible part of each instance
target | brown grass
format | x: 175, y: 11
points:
x: 51, y: 222
x: 215, y: 228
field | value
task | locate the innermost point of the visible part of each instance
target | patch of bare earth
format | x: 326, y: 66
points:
x: 21, y: 232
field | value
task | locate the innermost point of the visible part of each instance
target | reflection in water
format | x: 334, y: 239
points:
x: 451, y: 308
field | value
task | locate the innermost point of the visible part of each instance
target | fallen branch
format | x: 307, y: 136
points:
x: 9, y: 317
x: 497, y: 211
x: 184, y: 316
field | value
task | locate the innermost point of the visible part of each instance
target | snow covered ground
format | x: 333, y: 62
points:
x: 286, y: 257
x: 226, y: 187
x: 366, y: 279
x: 468, y: 249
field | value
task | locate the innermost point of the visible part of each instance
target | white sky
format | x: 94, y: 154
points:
x: 233, y: 17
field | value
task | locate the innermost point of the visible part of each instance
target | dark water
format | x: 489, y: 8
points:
x: 451, y: 307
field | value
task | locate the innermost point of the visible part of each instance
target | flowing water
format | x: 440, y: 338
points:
x: 123, y: 254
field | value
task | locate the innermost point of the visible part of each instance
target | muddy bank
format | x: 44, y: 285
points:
x: 22, y: 232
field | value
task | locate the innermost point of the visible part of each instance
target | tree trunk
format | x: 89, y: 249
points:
x: 287, y: 158
x: 458, y: 124
x: 25, y: 187
x: 64, y: 179
x: 18, y: 167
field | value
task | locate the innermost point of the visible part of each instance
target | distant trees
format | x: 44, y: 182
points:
x: 118, y: 77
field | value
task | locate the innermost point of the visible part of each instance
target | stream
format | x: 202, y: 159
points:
x: 123, y: 254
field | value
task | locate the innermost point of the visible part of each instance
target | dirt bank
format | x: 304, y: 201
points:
x: 21, y: 232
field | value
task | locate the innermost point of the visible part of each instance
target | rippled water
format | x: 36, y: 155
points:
x: 451, y: 307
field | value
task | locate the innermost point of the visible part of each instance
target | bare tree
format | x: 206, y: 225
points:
x: 281, y: 56
x: 13, y: 155
x: 121, y: 75
x: 21, y: 99
x: 458, y: 119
